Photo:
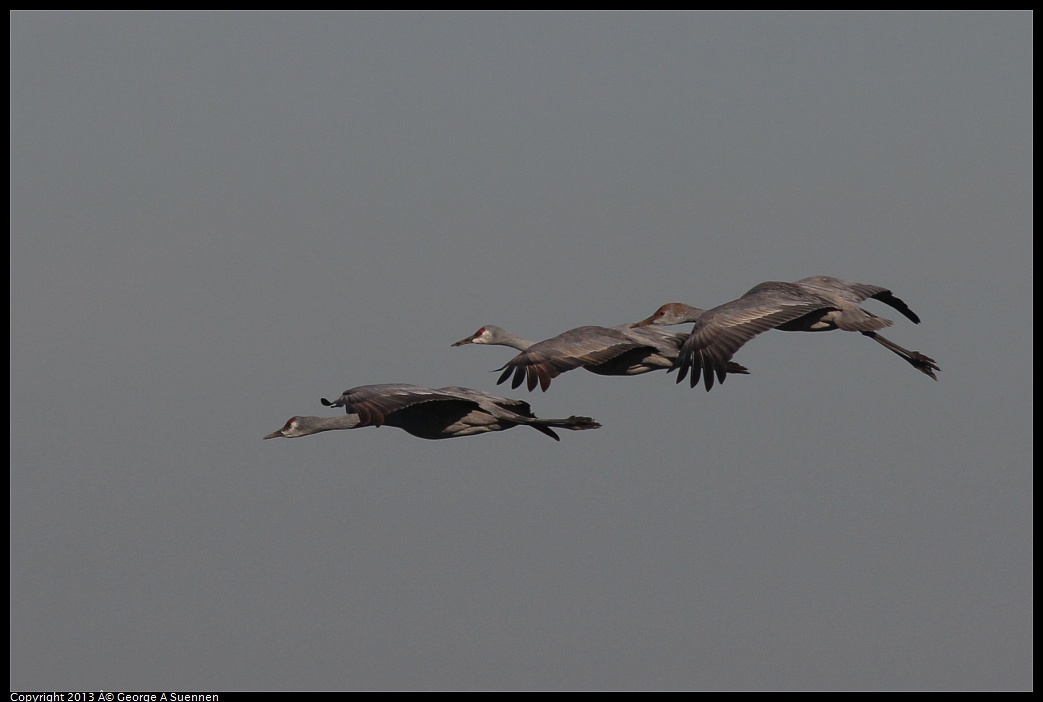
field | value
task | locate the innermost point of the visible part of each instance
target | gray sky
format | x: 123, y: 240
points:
x: 217, y: 218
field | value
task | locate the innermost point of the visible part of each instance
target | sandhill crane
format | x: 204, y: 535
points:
x: 622, y: 350
x: 444, y: 413
x: 818, y: 303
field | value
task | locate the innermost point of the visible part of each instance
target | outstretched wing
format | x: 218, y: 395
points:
x: 373, y: 403
x: 858, y: 292
x: 576, y: 348
x: 721, y: 331
x: 487, y: 401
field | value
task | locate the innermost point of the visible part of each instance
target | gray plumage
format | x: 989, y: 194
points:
x: 622, y: 350
x: 818, y: 303
x: 428, y: 413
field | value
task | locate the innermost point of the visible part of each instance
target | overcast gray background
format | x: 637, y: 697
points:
x: 218, y: 218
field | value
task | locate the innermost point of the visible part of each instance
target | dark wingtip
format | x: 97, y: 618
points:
x: 697, y: 371
x: 889, y: 298
x: 544, y: 383
x: 681, y: 367
x: 530, y: 378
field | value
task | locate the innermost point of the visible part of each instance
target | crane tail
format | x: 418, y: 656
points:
x: 546, y: 430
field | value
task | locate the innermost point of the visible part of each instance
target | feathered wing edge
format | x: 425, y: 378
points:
x: 721, y: 332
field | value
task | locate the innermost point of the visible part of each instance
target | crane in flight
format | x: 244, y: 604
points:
x: 622, y: 350
x: 442, y: 413
x: 818, y: 303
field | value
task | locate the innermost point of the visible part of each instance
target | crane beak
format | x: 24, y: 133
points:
x: 468, y: 340
x: 274, y: 435
x: 643, y: 323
